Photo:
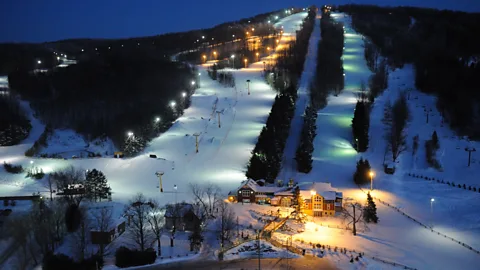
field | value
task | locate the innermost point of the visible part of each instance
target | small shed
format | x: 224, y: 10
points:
x: 389, y: 168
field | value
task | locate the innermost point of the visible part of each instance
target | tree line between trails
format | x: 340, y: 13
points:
x: 329, y: 75
x: 328, y: 78
x: 440, y: 46
x: 266, y: 159
x: 110, y: 97
x: 14, y: 124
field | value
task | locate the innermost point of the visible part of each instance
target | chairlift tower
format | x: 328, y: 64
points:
x: 159, y: 174
x: 196, y: 141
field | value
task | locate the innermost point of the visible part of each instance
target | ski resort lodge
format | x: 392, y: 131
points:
x: 320, y: 199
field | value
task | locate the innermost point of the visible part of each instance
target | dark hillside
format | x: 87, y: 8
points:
x: 444, y: 47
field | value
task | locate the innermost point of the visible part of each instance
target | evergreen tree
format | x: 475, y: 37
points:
x: 370, y: 210
x: 298, y: 203
x: 96, y: 187
x: 360, y: 126
x: 435, y: 142
x: 305, y: 149
x: 361, y: 175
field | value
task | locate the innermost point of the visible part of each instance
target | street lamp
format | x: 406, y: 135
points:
x: 184, y: 94
x: 257, y: 54
x: 204, y: 58
x: 39, y: 62
x: 372, y: 174
x: 130, y: 134
x: 175, y: 188
x: 431, y: 209
x: 193, y: 82
x: 233, y: 60
x: 245, y: 60
x: 172, y: 104
x: 215, y: 55
x: 157, y: 119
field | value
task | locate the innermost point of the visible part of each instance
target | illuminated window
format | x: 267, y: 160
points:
x: 328, y: 206
x: 317, y: 206
x: 318, y: 199
x: 246, y: 193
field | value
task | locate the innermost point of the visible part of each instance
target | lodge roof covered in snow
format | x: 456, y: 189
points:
x: 257, y: 188
x: 324, y: 189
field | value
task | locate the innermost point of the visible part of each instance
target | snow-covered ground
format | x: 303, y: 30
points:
x: 396, y: 238
x: 223, y: 152
x: 67, y: 143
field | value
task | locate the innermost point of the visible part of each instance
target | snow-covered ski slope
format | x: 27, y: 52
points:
x: 309, y: 68
x: 223, y: 152
x: 396, y: 238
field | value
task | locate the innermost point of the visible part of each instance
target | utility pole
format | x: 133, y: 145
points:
x: 196, y: 141
x: 248, y: 86
x: 159, y: 175
x: 427, y: 112
x: 470, y: 150
x: 258, y: 246
x: 219, y: 125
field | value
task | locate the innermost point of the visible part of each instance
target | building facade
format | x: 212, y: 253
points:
x: 320, y: 199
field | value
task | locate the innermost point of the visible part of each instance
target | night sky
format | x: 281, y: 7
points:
x: 49, y: 20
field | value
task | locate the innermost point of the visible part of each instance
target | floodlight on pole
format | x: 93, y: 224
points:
x: 175, y: 188
x: 431, y: 209
x: 193, y: 82
x: 172, y: 104
x: 184, y: 94
x: 39, y: 62
x: 157, y: 119
x: 130, y: 134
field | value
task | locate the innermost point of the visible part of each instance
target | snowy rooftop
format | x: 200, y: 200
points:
x: 255, y: 187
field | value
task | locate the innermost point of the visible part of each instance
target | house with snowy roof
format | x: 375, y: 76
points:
x: 251, y: 192
x: 320, y: 199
